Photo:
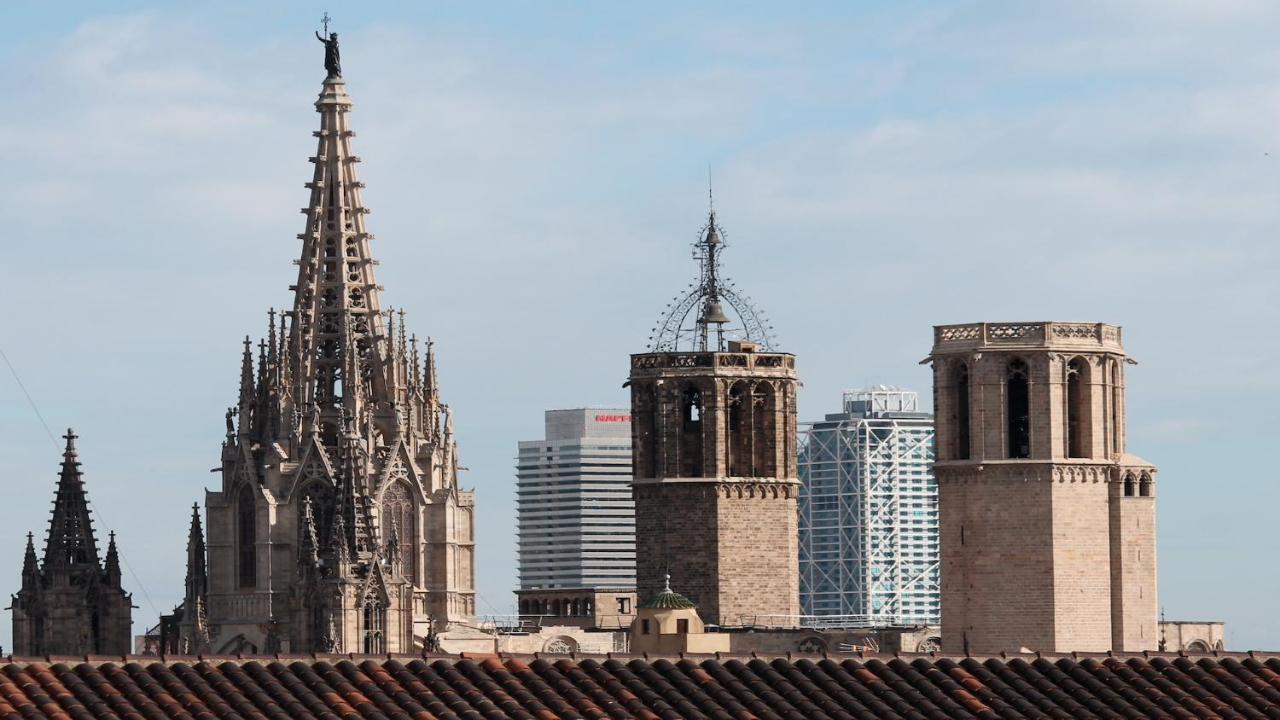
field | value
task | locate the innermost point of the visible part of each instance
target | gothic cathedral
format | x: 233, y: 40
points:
x: 339, y: 525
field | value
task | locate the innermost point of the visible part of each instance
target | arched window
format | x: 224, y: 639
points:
x: 399, y: 511
x: 1078, y: 409
x: 1018, y: 409
x: 246, y: 539
x: 763, y: 406
x: 739, y: 437
x: 1144, y: 486
x: 1117, y: 421
x: 646, y: 424
x: 1128, y: 485
x: 373, y: 619
x: 960, y: 412
x: 691, y: 432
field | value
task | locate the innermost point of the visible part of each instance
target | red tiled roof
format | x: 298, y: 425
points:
x: 918, y: 687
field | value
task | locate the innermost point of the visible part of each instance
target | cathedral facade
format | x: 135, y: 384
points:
x: 339, y: 525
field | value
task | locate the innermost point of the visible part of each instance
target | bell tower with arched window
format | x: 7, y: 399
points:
x: 1047, y: 523
x: 713, y: 442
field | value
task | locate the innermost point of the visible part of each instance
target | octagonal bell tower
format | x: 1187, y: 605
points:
x: 713, y: 443
x: 1047, y: 522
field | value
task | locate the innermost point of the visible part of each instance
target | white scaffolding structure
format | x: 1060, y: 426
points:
x: 869, y: 511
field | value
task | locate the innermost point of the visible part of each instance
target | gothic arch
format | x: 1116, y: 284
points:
x: 560, y: 645
x: 1145, y: 485
x: 960, y: 411
x: 692, y: 399
x: 1129, y: 485
x: 1079, y: 408
x: 764, y: 406
x: 739, y: 441
x: 1017, y: 408
x: 246, y: 538
x: 399, y: 509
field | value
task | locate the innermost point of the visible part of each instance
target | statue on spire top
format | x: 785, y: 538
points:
x: 332, y: 59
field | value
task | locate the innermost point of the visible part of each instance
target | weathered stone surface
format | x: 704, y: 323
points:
x: 1052, y: 549
x: 713, y: 438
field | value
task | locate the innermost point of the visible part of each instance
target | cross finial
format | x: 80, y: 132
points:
x: 325, y: 21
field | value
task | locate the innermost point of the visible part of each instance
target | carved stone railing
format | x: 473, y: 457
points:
x: 1033, y: 334
x: 650, y: 361
x: 229, y: 608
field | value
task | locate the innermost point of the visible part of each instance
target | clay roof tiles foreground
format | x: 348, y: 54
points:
x: 489, y: 688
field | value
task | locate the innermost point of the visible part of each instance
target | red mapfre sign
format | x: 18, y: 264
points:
x: 613, y: 418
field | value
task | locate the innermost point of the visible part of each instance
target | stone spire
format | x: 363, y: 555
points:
x: 70, y: 604
x: 30, y: 565
x: 112, y: 564
x: 334, y: 413
x: 71, y: 543
x: 197, y: 582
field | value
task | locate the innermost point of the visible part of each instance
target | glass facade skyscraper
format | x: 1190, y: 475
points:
x: 869, y: 512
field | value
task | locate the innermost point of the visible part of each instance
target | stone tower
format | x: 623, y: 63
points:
x: 1047, y: 523
x: 713, y: 450
x: 71, y: 603
x: 339, y: 525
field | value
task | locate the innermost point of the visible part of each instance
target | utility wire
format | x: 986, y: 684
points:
x: 31, y: 401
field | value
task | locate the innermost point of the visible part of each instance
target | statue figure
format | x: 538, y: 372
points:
x: 332, y: 61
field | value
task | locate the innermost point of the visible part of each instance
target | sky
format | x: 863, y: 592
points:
x: 537, y: 172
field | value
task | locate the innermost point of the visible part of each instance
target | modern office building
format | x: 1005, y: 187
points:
x: 869, y: 512
x: 576, y: 519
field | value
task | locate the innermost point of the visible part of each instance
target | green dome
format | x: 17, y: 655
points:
x: 668, y: 599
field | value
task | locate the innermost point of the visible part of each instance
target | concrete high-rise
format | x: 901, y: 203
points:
x: 576, y: 518
x: 1048, y: 524
x: 869, y: 512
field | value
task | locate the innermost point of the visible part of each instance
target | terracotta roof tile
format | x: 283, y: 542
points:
x: 492, y: 688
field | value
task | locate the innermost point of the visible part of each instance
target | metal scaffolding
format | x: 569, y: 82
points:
x: 869, y: 511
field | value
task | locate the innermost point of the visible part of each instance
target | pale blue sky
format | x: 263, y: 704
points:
x: 537, y: 171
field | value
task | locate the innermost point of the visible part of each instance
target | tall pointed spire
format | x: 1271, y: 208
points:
x: 335, y: 411
x: 71, y: 542
x: 197, y: 576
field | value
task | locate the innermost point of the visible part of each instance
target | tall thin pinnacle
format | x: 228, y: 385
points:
x: 246, y: 379
x: 113, y: 560
x: 197, y: 576
x: 30, y: 565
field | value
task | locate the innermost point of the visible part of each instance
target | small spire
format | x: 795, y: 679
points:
x: 30, y: 565
x: 666, y: 588
x: 392, y: 550
x: 341, y: 545
x: 246, y: 383
x: 197, y: 580
x: 430, y: 370
x: 308, y: 555
x: 113, y: 560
